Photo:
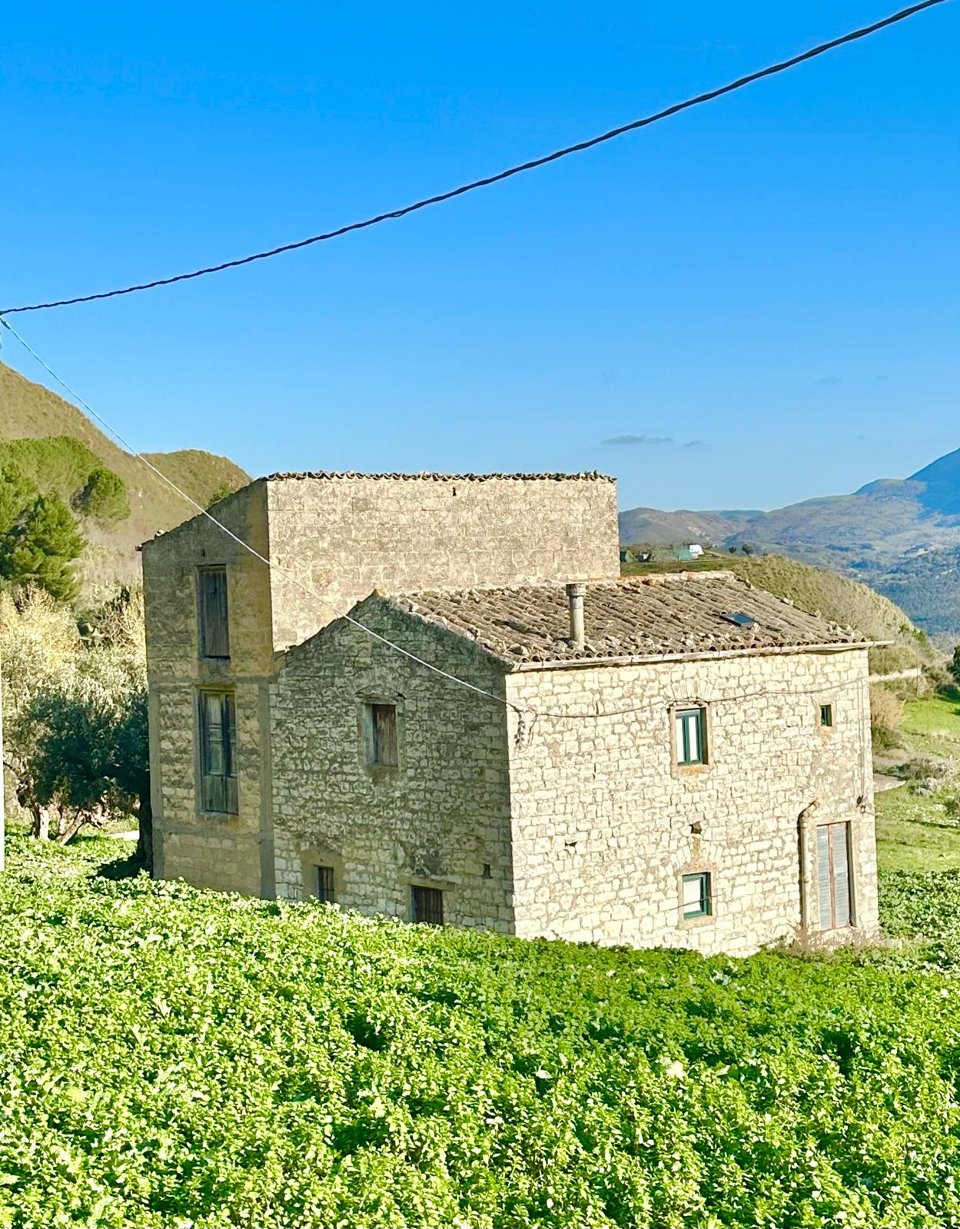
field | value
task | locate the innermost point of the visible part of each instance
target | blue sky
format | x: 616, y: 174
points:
x: 758, y: 299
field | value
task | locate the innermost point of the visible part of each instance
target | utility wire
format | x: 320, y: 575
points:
x: 579, y: 147
x: 524, y: 712
x: 307, y: 589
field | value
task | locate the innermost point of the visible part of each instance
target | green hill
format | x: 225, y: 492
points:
x: 838, y: 598
x: 53, y: 440
x: 879, y: 531
x: 174, y: 1057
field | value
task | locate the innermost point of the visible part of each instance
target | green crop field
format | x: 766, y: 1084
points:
x: 176, y: 1059
x: 918, y: 825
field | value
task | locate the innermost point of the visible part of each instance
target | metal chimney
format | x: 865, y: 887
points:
x: 575, y: 595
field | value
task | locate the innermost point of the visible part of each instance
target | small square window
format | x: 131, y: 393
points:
x: 380, y: 721
x: 697, y: 895
x: 691, y: 735
x: 826, y: 716
x: 427, y: 905
x: 323, y: 884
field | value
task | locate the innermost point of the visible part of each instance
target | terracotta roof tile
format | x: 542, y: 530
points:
x: 650, y: 616
x: 435, y: 477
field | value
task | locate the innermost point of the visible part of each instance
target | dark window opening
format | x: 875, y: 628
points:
x: 214, y: 629
x: 324, y: 884
x: 826, y: 715
x: 218, y: 739
x: 428, y: 906
x: 697, y: 895
x: 382, y: 736
x: 833, y: 876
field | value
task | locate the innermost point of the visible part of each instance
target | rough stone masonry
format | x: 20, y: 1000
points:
x: 554, y: 800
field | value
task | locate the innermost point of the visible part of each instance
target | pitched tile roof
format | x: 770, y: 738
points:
x: 649, y: 616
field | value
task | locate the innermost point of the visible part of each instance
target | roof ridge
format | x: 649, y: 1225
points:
x: 438, y: 476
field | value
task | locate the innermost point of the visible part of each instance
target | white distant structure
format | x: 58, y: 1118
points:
x: 696, y: 550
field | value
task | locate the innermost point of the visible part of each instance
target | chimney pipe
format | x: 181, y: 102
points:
x: 575, y: 595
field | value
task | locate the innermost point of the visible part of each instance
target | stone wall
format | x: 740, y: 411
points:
x: 440, y: 819
x: 346, y: 536
x: 605, y: 824
x: 341, y: 537
x: 227, y: 852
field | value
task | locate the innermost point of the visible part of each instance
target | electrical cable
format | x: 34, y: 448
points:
x: 500, y: 176
x: 523, y: 711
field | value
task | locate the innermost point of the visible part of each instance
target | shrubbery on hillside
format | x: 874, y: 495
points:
x: 39, y: 539
x: 211, y: 1061
x: 104, y: 497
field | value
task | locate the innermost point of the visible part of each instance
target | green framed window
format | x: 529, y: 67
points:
x: 697, y: 895
x: 691, y: 735
x: 826, y: 716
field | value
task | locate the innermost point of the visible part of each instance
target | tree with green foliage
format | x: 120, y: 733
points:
x: 104, y: 497
x: 955, y: 665
x: 39, y: 539
x: 84, y: 742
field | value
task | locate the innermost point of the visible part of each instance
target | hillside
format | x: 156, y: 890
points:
x: 214, y: 1061
x: 839, y: 598
x: 29, y: 411
x: 878, y: 532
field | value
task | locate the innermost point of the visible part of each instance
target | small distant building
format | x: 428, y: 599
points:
x: 695, y: 549
x: 521, y: 741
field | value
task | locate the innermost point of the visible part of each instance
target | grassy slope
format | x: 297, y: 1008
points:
x: 915, y: 832
x: 172, y: 1057
x: 836, y: 597
x: 29, y: 410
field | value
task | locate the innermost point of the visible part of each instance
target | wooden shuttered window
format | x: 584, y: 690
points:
x: 324, y: 884
x: 218, y: 739
x: 833, y: 875
x: 428, y: 905
x: 214, y: 622
x: 380, y: 721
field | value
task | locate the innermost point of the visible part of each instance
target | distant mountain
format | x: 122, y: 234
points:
x: 29, y: 411
x: 902, y: 536
x: 655, y: 528
x: 840, y: 599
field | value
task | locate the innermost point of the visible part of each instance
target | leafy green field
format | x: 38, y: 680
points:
x: 174, y: 1058
x: 918, y: 825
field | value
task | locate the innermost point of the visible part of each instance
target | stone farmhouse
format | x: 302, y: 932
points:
x: 677, y: 760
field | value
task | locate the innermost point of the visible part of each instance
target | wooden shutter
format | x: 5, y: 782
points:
x: 214, y: 624
x: 833, y: 875
x: 841, y: 874
x: 325, y: 884
x: 385, y: 735
x: 824, y: 881
x: 218, y: 780
x: 428, y: 905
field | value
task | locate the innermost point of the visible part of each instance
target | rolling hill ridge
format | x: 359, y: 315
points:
x: 901, y: 536
x: 65, y: 439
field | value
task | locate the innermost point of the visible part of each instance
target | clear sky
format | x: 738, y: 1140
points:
x: 758, y: 299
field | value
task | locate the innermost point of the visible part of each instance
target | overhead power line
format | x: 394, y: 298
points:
x: 487, y: 181
x: 525, y: 713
